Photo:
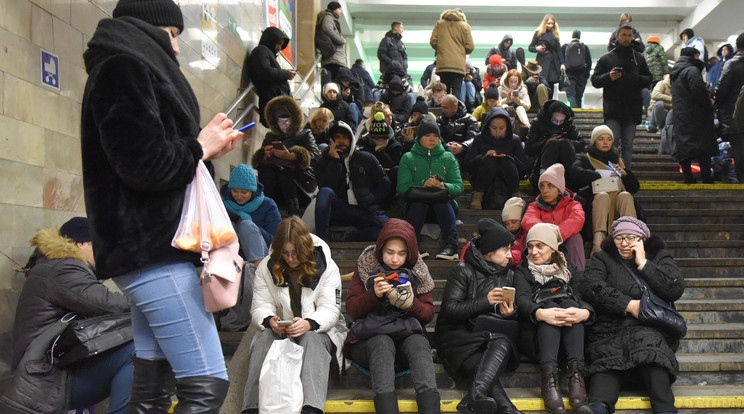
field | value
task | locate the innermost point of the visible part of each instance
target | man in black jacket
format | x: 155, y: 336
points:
x: 622, y: 73
x: 578, y: 68
x: 727, y: 91
x: 458, y: 128
x: 352, y: 184
x: 392, y: 48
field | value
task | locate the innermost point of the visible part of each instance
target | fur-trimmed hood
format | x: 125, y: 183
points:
x: 50, y: 244
x: 454, y: 15
x: 287, y: 103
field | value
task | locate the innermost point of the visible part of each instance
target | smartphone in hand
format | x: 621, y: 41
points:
x: 508, y: 293
x: 284, y: 323
x: 277, y: 145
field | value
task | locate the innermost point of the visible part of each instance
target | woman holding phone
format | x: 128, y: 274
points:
x: 477, y: 324
x: 548, y: 302
x: 297, y: 294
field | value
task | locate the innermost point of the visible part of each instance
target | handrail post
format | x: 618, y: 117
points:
x: 235, y: 103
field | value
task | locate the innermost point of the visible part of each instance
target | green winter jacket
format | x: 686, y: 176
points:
x: 656, y: 60
x: 419, y: 164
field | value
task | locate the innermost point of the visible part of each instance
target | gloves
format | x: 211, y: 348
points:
x: 401, y: 296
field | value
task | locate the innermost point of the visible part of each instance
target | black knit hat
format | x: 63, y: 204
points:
x: 76, y: 229
x: 427, y: 126
x: 333, y: 5
x: 420, y: 106
x: 689, y: 51
x: 492, y: 92
x: 155, y: 12
x: 493, y: 235
x: 379, y: 128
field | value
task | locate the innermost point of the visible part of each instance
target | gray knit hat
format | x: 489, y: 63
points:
x: 630, y: 225
x: 155, y: 12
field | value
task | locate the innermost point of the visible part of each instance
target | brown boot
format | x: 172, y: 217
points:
x: 476, y: 203
x: 576, y: 386
x: 550, y: 392
x: 597, y: 242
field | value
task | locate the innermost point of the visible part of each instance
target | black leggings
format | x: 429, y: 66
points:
x: 496, y: 168
x: 562, y: 152
x: 550, y: 338
x: 604, y: 387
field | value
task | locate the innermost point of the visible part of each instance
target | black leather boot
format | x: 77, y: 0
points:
x: 386, y: 403
x: 576, y: 385
x: 550, y: 392
x: 505, y: 406
x: 153, y: 387
x: 200, y: 394
x: 428, y: 402
x: 492, y: 364
x: 293, y: 207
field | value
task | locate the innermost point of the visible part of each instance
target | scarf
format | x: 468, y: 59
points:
x: 604, y: 156
x: 543, y: 273
x: 246, y: 209
x: 367, y: 264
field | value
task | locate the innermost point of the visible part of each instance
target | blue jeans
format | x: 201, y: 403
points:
x: 170, y: 321
x: 330, y: 209
x: 467, y: 93
x: 252, y: 242
x: 108, y: 374
x: 357, y: 112
x: 445, y: 213
x: 624, y: 132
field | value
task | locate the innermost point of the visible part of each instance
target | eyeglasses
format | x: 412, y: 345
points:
x: 626, y: 239
x: 288, y: 255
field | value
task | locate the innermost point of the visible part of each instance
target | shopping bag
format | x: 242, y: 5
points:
x: 279, y: 385
x: 204, y: 223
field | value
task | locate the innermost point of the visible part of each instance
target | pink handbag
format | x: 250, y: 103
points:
x: 220, y: 278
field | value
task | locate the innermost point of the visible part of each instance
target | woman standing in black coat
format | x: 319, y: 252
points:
x: 618, y: 345
x: 547, y: 44
x: 692, y: 116
x: 473, y: 355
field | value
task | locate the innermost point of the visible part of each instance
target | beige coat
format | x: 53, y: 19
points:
x: 452, y: 40
x: 662, y: 92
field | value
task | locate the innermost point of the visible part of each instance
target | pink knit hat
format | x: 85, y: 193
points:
x: 556, y: 175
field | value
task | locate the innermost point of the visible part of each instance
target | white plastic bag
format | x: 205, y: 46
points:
x: 204, y: 223
x: 279, y: 386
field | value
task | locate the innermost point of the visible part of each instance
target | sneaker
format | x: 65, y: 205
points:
x: 448, y: 253
x: 593, y: 408
x: 424, y: 255
x: 652, y: 128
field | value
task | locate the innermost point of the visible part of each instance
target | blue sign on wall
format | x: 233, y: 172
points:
x: 49, y: 69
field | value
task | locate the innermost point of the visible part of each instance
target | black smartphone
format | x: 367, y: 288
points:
x: 618, y: 68
x: 277, y: 145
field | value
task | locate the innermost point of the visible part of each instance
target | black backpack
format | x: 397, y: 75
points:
x: 324, y: 43
x: 575, y: 56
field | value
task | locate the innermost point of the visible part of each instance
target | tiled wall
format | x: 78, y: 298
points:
x: 40, y: 166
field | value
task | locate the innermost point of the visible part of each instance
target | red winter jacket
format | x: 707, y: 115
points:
x: 567, y: 215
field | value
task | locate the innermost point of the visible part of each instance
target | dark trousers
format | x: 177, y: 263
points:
x: 604, y: 387
x: 561, y: 152
x: 278, y: 185
x: 445, y: 214
x: 576, y: 91
x: 704, y: 169
x: 453, y: 81
x: 332, y: 70
x: 108, y: 374
x: 330, y: 209
x: 381, y: 355
x: 624, y: 132
x: 550, y: 338
x: 658, y: 114
x: 494, y: 170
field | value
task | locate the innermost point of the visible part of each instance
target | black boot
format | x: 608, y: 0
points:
x: 503, y: 402
x: 386, y: 403
x: 687, y: 171
x: 428, y: 402
x: 293, y: 207
x: 576, y: 385
x: 153, y: 386
x: 549, y: 389
x: 200, y: 394
x: 492, y: 364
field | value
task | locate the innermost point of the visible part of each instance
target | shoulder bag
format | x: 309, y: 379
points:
x: 552, y: 291
x: 658, y: 313
x: 429, y: 195
x: 87, y: 337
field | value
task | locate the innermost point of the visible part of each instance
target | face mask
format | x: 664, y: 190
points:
x: 283, y: 124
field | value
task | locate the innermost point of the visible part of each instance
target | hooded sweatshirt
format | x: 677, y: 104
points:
x: 508, y: 56
x: 509, y: 145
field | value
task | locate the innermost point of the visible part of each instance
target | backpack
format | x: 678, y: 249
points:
x: 575, y: 56
x: 324, y: 43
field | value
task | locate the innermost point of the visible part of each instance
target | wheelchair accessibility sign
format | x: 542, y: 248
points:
x: 49, y: 69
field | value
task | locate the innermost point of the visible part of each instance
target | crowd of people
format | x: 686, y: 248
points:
x: 521, y: 289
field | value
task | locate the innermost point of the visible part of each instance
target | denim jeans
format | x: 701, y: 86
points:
x: 170, y: 321
x: 331, y: 210
x: 445, y: 213
x: 252, y: 242
x: 107, y: 374
x: 467, y: 93
x: 624, y: 132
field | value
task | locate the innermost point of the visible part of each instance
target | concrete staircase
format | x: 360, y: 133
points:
x: 702, y: 225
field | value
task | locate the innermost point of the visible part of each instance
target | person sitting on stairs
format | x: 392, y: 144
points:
x: 511, y: 216
x: 602, y: 163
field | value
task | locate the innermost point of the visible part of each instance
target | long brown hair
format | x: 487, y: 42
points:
x: 293, y: 230
x: 512, y: 73
x: 556, y: 31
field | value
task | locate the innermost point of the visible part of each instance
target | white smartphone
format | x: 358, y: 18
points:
x: 508, y: 293
x: 284, y: 323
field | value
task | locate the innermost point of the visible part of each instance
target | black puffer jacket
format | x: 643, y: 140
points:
x: 466, y: 297
x: 140, y: 120
x: 460, y: 127
x: 693, y: 112
x: 400, y: 104
x: 392, y: 49
x: 729, y: 85
x: 261, y: 68
x: 60, y: 281
x: 617, y: 341
x: 621, y: 98
x: 509, y: 145
x: 542, y: 129
x: 508, y: 55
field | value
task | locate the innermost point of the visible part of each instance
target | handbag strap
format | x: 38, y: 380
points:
x: 635, y: 277
x: 204, y: 242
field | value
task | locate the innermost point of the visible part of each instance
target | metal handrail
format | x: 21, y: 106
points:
x: 235, y: 104
x: 244, y: 113
x: 307, y: 76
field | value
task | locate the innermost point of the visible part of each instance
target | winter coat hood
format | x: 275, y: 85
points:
x: 271, y: 36
x: 730, y: 49
x: 497, y: 112
x: 345, y: 74
x: 453, y: 16
x: 50, y: 244
x: 394, y: 68
x: 404, y: 230
x: 546, y: 111
x: 393, y: 35
x: 502, y: 45
x: 284, y: 104
x: 684, y: 62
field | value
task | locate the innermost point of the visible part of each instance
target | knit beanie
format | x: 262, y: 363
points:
x: 427, y: 126
x: 242, y: 177
x: 420, y: 106
x: 492, y: 235
x: 547, y: 233
x: 76, y: 229
x: 513, y: 209
x: 333, y: 5
x: 496, y: 60
x: 555, y: 174
x: 653, y: 39
x: 601, y: 130
x: 689, y: 51
x: 379, y: 128
x: 630, y: 225
x: 155, y: 12
x: 492, y: 92
x: 330, y: 86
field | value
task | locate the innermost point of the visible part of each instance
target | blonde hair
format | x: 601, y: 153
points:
x: 293, y: 230
x: 556, y: 30
x: 625, y: 18
x: 321, y: 111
